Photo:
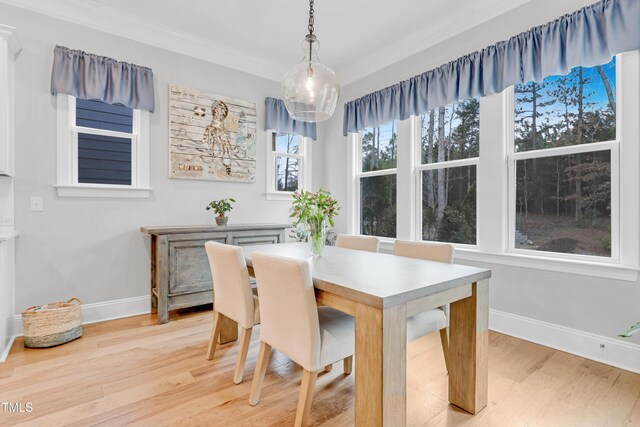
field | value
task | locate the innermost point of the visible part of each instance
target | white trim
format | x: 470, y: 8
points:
x: 547, y: 263
x: 564, y: 151
x: 472, y: 161
x: 628, y: 111
x: 380, y: 172
x: 279, y: 195
x: 102, y: 190
x: 610, y: 351
x: 67, y: 184
x: 7, y: 349
x: 103, y: 311
x: 106, y: 132
x: 353, y: 184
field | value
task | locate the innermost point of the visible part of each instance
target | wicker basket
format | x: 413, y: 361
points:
x: 52, y: 324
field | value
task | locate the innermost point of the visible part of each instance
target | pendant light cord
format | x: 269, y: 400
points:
x: 310, y: 27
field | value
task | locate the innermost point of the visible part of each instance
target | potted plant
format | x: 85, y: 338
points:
x: 314, y: 211
x: 220, y: 207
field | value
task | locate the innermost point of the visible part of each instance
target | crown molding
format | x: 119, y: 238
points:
x: 9, y: 33
x: 417, y: 42
x: 104, y: 18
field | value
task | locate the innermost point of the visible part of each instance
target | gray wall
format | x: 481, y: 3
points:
x: 600, y: 306
x: 91, y: 248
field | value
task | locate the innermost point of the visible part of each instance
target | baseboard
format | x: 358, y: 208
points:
x: 102, y: 311
x: 7, y: 349
x: 602, y: 349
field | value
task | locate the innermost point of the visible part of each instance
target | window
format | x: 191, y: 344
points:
x: 288, y: 166
x: 564, y: 164
x: 377, y: 181
x: 540, y: 176
x: 102, y: 149
x: 449, y: 150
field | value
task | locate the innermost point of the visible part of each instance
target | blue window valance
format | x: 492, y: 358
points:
x: 587, y: 37
x: 277, y: 118
x: 88, y: 76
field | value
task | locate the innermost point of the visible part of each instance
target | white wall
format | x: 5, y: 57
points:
x: 92, y: 248
x: 599, y: 306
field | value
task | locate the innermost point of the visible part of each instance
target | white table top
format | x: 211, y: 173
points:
x: 377, y: 279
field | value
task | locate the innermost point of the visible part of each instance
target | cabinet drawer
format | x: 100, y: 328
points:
x: 255, y: 238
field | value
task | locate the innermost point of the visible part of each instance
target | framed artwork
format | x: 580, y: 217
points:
x: 211, y: 137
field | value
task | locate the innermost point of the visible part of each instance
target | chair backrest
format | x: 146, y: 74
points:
x: 361, y: 243
x: 441, y: 252
x: 288, y: 312
x: 232, y: 294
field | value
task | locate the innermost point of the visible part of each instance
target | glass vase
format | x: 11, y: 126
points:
x: 316, y: 236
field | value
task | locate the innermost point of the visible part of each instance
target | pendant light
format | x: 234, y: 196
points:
x: 310, y: 89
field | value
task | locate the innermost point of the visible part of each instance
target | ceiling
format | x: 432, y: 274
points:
x: 263, y: 37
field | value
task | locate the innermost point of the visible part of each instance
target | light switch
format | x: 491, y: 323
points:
x: 37, y: 204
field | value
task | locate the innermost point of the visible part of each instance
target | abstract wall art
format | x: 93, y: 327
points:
x: 212, y: 137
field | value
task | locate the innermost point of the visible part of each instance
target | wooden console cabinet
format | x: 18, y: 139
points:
x: 180, y: 273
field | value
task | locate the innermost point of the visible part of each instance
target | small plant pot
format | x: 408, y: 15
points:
x: 222, y: 220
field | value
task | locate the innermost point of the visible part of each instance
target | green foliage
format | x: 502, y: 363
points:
x: 220, y: 207
x: 309, y: 207
x: 458, y: 222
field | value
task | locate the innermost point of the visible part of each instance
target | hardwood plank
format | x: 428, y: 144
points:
x: 135, y: 371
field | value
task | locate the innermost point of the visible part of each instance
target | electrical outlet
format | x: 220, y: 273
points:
x: 37, y: 204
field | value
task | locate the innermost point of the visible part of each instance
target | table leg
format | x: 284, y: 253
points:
x: 468, y: 348
x: 229, y: 331
x: 381, y: 365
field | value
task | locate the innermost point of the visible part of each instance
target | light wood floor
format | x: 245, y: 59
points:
x: 132, y: 371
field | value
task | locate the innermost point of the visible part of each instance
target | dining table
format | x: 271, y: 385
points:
x: 381, y: 291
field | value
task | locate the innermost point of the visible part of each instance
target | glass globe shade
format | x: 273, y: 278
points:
x: 310, y: 89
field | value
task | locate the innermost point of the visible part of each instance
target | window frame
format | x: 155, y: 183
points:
x: 419, y: 167
x: 513, y: 157
x: 356, y: 186
x: 67, y: 184
x: 304, y: 166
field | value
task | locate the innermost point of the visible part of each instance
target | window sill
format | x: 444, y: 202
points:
x: 280, y: 195
x: 103, y: 191
x: 584, y: 268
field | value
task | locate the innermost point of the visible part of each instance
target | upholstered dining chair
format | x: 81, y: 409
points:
x: 433, y: 320
x: 361, y: 243
x: 311, y: 336
x: 232, y: 297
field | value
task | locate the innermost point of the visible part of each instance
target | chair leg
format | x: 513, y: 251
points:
x: 328, y: 368
x: 347, y: 363
x: 258, y: 375
x: 215, y: 333
x: 306, y: 396
x: 242, y: 354
x: 445, y: 346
